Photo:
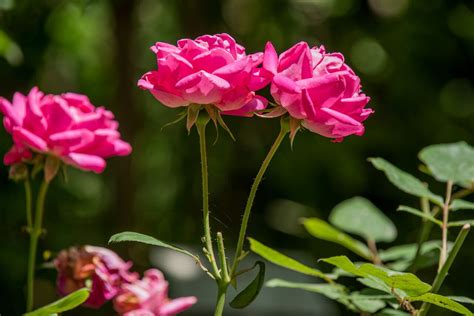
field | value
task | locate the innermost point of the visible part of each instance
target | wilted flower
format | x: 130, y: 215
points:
x: 317, y: 89
x: 67, y: 127
x: 212, y: 69
x: 149, y: 297
x: 100, y: 269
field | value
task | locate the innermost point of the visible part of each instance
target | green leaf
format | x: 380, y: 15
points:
x: 368, y: 303
x: 367, y: 221
x: 462, y: 299
x: 391, y: 312
x: 250, y: 293
x: 333, y: 291
x: 66, y: 303
x: 281, y: 260
x: 405, y: 181
x: 330, y: 290
x: 459, y: 204
x: 454, y: 161
x: 342, y: 262
x: 408, y: 251
x: 377, y: 284
x: 403, y: 255
x: 407, y: 282
x: 461, y: 223
x: 441, y: 301
x: 419, y: 213
x: 322, y: 230
x: 145, y: 239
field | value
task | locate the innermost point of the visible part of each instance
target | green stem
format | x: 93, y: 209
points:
x: 253, y: 191
x: 426, y: 227
x: 445, y: 268
x: 223, y: 259
x: 34, y: 235
x: 201, y: 128
x: 222, y: 289
x: 444, y: 227
x: 29, y: 216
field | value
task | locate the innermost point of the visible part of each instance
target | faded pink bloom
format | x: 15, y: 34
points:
x: 212, y: 69
x: 67, y: 126
x: 98, y: 268
x: 149, y: 297
x: 318, y: 89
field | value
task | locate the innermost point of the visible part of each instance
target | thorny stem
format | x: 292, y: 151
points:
x: 34, y: 235
x: 251, y: 197
x: 447, y: 265
x: 444, y: 227
x: 201, y: 128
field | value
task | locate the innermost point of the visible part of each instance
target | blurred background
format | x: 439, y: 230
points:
x: 415, y: 59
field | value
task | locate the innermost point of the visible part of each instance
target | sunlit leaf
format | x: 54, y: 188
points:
x: 367, y: 221
x: 407, y: 282
x: 66, y: 303
x: 376, y: 284
x: 462, y: 299
x: 405, y: 181
x: 250, y: 293
x: 459, y: 204
x: 419, y: 213
x: 281, y: 260
x: 322, y: 230
x: 145, y: 239
x: 441, y: 301
x: 333, y: 291
x: 453, y: 161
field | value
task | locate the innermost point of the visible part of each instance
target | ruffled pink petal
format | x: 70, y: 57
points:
x: 25, y: 137
x: 7, y: 109
x: 257, y: 103
x: 270, y: 59
x: 285, y: 84
x: 292, y: 55
x: 70, y: 140
x: 176, y: 306
x: 203, y: 88
x: 86, y: 162
x: 212, y: 60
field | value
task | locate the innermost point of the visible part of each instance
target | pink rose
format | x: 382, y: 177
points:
x: 149, y: 297
x: 318, y: 89
x: 66, y: 126
x: 212, y: 69
x: 98, y: 268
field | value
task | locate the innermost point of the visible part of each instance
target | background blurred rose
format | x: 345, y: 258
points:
x: 98, y: 268
x: 66, y: 126
x: 149, y: 296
